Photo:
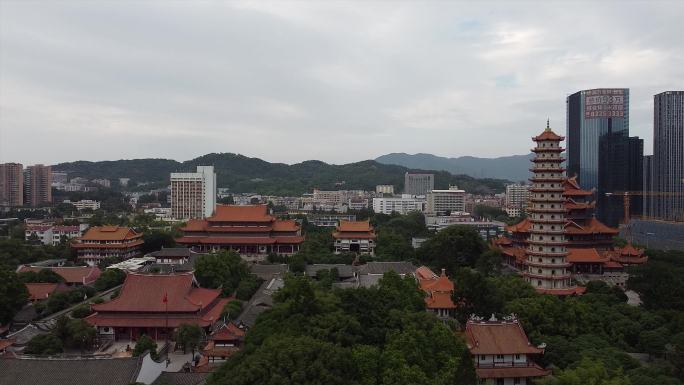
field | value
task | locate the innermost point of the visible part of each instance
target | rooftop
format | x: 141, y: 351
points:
x: 109, y: 233
x: 113, y: 371
x: 235, y: 213
x: 498, y: 337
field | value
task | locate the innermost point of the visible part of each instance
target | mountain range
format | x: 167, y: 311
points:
x: 514, y: 167
x: 244, y: 174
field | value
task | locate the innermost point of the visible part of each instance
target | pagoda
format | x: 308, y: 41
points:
x: 545, y: 266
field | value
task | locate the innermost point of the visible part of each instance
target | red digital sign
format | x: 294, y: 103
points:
x: 604, y: 103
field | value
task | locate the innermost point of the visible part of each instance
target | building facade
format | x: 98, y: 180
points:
x: 668, y: 155
x: 438, y: 290
x: 517, y: 195
x: 249, y: 230
x: 446, y: 201
x: 193, y: 194
x: 418, y: 184
x: 545, y: 266
x: 37, y: 185
x: 600, y: 152
x: 103, y: 242
x: 354, y: 237
x: 402, y: 205
x: 384, y: 189
x: 11, y: 184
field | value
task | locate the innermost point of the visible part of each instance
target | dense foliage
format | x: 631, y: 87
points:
x: 109, y: 279
x: 67, y: 333
x: 454, y: 247
x: 245, y: 174
x: 15, y: 252
x: 226, y: 270
x: 144, y: 344
x: 42, y: 276
x: 380, y: 335
x: 13, y: 295
x: 189, y: 336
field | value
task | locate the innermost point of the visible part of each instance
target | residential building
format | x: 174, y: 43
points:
x: 102, y: 182
x: 600, y: 152
x: 49, y: 234
x: 173, y: 255
x: 514, y: 212
x: 402, y: 205
x: 193, y: 194
x: 517, y: 195
x: 73, y: 275
x: 85, y: 204
x: 155, y: 305
x: 668, y: 155
x: 327, y: 220
x: 103, y: 242
x: 384, y: 189
x: 502, y: 353
x: 545, y: 266
x: 446, y: 201
x: 418, y: 184
x: 488, y: 230
x: 357, y: 204
x: 37, y: 185
x: 124, y: 182
x: 250, y: 230
x: 438, y: 291
x: 11, y: 184
x: 59, y: 177
x: 354, y: 237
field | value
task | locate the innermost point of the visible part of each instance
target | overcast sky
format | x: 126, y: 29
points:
x: 338, y: 82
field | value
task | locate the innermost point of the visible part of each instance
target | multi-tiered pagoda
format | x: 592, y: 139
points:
x: 545, y: 265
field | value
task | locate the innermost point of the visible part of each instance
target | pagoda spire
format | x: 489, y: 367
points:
x: 548, y: 126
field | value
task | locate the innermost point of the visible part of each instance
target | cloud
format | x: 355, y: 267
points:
x: 286, y: 80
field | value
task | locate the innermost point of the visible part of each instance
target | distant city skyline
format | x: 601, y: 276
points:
x: 336, y: 82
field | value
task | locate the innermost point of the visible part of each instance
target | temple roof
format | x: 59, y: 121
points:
x: 594, y: 226
x: 522, y: 226
x: 548, y: 134
x: 146, y: 293
x: 431, y: 282
x: 512, y: 372
x: 109, y: 233
x: 354, y: 226
x: 498, y: 337
x: 235, y: 213
x: 38, y: 291
x: 227, y: 332
x: 439, y: 300
x: 585, y: 256
x: 84, y: 275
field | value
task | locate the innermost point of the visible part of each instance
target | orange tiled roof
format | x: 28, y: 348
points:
x: 548, y: 134
x: 437, y: 284
x: 498, y: 338
x: 585, y: 256
x: 285, y: 225
x: 347, y: 235
x: 195, y: 225
x: 593, y: 227
x: 424, y: 272
x: 630, y: 250
x: 522, y: 226
x: 439, y: 300
x: 235, y: 213
x: 512, y: 372
x: 227, y: 332
x: 38, y: 291
x: 109, y: 233
x: 84, y: 275
x: 354, y: 226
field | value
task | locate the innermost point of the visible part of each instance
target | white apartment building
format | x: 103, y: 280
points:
x: 193, y: 194
x: 384, y: 189
x: 85, y: 204
x: 442, y: 201
x: 53, y: 234
x: 517, y: 195
x: 402, y: 205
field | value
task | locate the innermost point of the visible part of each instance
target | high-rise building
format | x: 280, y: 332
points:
x: 418, y: 184
x: 600, y: 152
x: 649, y: 186
x: 517, y: 195
x: 668, y: 155
x: 193, y: 194
x: 37, y: 185
x: 545, y: 266
x: 446, y: 201
x: 11, y: 184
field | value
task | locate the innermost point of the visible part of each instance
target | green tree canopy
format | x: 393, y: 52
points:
x: 454, y: 247
x: 13, y: 295
x: 224, y: 269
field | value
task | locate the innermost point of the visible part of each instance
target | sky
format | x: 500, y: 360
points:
x: 333, y: 81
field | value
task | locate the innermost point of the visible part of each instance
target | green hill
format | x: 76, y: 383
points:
x: 244, y: 174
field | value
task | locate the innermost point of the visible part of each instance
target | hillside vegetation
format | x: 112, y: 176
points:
x: 244, y: 174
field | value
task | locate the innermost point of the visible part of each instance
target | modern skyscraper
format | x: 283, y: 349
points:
x: 11, y: 184
x: 546, y: 266
x: 193, y: 194
x: 668, y: 155
x: 418, y: 184
x: 37, y: 185
x: 600, y: 152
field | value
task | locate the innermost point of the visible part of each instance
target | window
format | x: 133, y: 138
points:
x: 516, y: 381
x: 499, y: 356
x: 500, y: 381
x: 517, y: 356
x: 538, y: 283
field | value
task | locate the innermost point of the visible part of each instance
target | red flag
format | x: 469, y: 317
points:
x: 165, y: 300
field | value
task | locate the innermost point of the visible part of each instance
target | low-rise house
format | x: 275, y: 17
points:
x: 354, y: 237
x: 102, y: 242
x: 223, y: 342
x: 502, y: 353
x: 438, y: 291
x: 41, y: 291
x: 73, y: 275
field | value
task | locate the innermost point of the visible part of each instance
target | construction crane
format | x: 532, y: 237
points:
x: 627, y: 194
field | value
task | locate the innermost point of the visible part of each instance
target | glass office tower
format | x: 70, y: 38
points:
x: 668, y: 155
x: 600, y: 151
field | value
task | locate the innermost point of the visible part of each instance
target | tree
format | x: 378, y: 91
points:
x: 80, y: 334
x: 144, y: 344
x: 224, y: 269
x: 44, y: 344
x: 109, y: 279
x: 81, y: 311
x: 247, y: 287
x: 42, y: 276
x: 189, y: 336
x: 232, y: 309
x: 156, y: 240
x: 13, y: 295
x: 454, y: 247
x: 588, y: 372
